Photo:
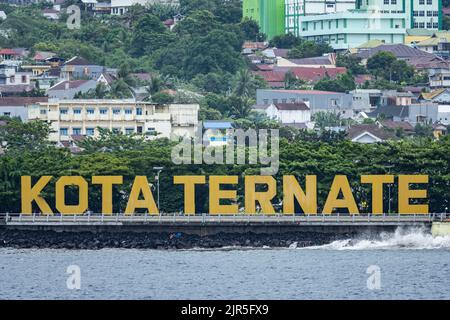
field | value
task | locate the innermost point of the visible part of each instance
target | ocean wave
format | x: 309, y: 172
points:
x: 413, y: 239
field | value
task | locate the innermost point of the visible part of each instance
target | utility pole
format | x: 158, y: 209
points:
x: 158, y: 171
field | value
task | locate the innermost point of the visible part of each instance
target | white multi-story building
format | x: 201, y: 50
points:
x: 69, y: 118
x: 345, y: 24
x: 120, y: 7
x: 296, y: 8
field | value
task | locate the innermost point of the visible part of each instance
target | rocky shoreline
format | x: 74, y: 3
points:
x: 144, y: 240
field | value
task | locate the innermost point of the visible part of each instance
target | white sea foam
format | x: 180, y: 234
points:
x: 413, y: 239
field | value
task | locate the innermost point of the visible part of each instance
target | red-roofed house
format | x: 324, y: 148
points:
x: 275, y: 78
x: 9, y: 54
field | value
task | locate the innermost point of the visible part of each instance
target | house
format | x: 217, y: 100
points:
x: 9, y: 76
x: 42, y: 56
x: 215, y: 132
x: 80, y: 68
x: 444, y: 114
x: 396, y: 98
x: 274, y: 53
x: 366, y: 100
x: 440, y: 96
x: 70, y: 119
x: 319, y: 101
x: 16, y: 90
x: 369, y: 133
x: 120, y: 7
x: 419, y: 59
x: 415, y: 113
x: 287, y: 113
x: 414, y: 36
x: 275, y: 77
x: 89, y: 5
x: 18, y: 106
x: 67, y: 89
x: 439, y: 130
x: 50, y: 14
x: 325, y: 61
x: 9, y: 54
x: 397, y: 126
x: 438, y: 44
x: 102, y: 8
x: 36, y: 69
x: 254, y: 46
x: 107, y: 79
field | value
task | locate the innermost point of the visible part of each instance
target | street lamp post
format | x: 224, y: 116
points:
x: 158, y: 171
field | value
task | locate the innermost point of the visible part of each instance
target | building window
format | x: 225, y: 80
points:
x: 421, y: 25
x: 7, y: 114
x: 393, y: 1
x: 275, y: 100
x: 421, y: 13
x: 90, y: 111
x: 24, y: 79
x: 435, y: 14
x: 77, y: 111
x: 128, y: 111
x: 103, y: 111
x: 76, y: 131
x: 63, y: 111
x: 429, y: 25
x: 116, y: 111
x: 90, y: 131
x: 421, y: 1
x: 415, y: 13
x: 429, y: 13
x: 129, y: 130
x: 139, y: 111
x: 43, y: 111
x: 116, y: 130
x: 435, y: 25
x: 63, y: 131
x: 386, y: 1
x: 429, y: 1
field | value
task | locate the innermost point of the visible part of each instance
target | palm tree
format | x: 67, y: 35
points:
x: 244, y: 83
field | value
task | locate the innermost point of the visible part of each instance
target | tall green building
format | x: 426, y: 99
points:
x: 268, y: 13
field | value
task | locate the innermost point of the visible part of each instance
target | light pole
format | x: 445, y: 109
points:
x: 158, y: 171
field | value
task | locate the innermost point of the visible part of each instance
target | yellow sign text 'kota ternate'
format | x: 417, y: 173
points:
x: 224, y: 188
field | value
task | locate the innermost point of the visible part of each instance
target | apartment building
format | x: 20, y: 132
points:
x: 69, y: 118
x: 346, y: 24
x: 317, y: 101
x: 120, y: 7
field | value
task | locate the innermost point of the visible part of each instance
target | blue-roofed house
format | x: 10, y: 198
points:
x: 215, y: 132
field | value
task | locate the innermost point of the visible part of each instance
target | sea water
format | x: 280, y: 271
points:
x: 403, y: 265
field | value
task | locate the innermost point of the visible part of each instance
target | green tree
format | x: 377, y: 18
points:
x: 17, y: 136
x: 150, y: 34
x: 251, y: 31
x: 351, y: 62
x: 306, y: 49
x: 342, y: 83
x: 162, y: 98
x: 285, y: 41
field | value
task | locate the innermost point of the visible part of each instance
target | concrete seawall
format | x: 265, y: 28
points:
x: 184, y: 232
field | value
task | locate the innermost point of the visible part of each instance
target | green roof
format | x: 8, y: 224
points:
x: 419, y: 32
x: 370, y: 44
x: 434, y: 40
